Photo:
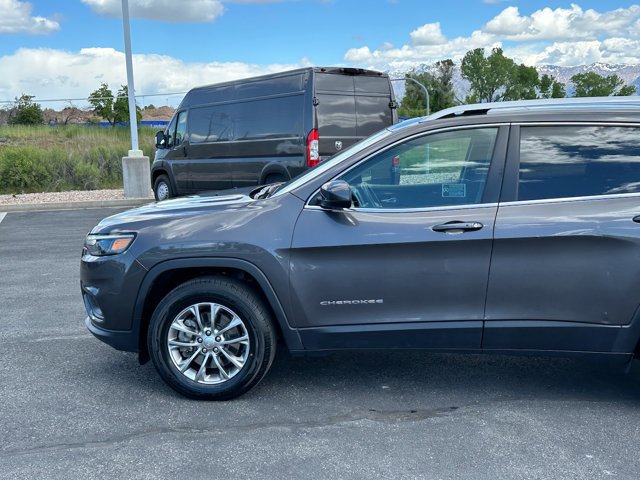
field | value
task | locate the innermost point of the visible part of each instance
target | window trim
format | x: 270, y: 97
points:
x: 496, y: 168
x: 584, y: 198
x: 406, y: 210
x: 510, y: 183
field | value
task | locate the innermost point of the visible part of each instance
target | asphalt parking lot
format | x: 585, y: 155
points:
x: 73, y: 407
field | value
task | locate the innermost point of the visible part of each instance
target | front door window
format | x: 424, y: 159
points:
x: 441, y: 169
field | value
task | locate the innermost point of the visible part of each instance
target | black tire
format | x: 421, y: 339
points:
x: 162, y: 185
x: 274, y: 178
x: 246, y: 304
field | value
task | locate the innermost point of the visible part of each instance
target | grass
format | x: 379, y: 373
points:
x: 74, y: 157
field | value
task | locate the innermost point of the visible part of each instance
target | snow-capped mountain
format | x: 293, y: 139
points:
x: 629, y: 73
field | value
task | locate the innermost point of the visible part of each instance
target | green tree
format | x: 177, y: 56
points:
x: 444, y: 96
x: 522, y: 83
x: 440, y: 88
x: 121, y: 106
x: 627, y: 91
x: 414, y: 103
x: 487, y: 76
x: 26, y: 112
x: 102, y: 102
x: 592, y: 84
x: 551, y: 88
x: 113, y: 109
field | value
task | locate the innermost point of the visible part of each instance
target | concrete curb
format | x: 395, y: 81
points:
x: 40, y: 207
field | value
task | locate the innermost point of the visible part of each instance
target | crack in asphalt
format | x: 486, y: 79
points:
x: 46, y: 338
x: 377, y: 416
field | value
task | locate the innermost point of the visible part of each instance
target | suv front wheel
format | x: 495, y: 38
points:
x: 212, y: 338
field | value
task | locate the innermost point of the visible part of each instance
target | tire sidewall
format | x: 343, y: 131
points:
x: 162, y: 179
x: 167, y: 311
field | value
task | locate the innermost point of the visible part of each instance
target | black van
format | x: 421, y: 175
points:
x: 267, y: 129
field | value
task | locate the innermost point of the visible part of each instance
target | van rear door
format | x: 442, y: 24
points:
x: 373, y: 104
x: 349, y: 108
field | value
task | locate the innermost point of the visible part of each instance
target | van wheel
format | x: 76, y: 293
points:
x: 162, y: 188
x: 274, y: 178
x: 212, y: 338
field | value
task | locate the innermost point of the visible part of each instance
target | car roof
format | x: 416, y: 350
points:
x: 603, y: 109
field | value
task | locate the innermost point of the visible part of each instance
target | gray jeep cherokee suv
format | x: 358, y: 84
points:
x: 507, y: 227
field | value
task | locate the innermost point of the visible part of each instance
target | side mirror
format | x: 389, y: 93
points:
x: 335, y: 194
x: 161, y: 140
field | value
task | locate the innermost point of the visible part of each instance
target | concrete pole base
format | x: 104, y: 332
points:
x: 136, y: 174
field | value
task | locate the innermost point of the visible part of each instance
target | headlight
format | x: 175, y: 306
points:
x: 100, y: 245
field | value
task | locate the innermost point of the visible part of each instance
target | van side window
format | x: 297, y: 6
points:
x: 578, y: 161
x: 211, y: 124
x: 440, y: 169
x: 181, y: 128
x: 269, y: 118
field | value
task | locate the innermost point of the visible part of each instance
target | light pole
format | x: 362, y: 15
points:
x: 133, y: 120
x: 136, y: 175
x: 426, y: 92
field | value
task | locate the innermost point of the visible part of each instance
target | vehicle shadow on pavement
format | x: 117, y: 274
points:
x: 416, y: 377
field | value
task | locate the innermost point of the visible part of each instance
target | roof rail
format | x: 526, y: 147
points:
x: 542, y: 104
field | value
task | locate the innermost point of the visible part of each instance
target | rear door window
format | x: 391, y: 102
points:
x: 368, y: 84
x: 334, y: 82
x: 578, y: 161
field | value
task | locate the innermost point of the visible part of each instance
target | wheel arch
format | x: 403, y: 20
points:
x: 167, y: 275
x: 156, y: 173
x: 274, y: 168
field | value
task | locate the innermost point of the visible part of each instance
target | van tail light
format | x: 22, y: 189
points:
x: 313, y: 151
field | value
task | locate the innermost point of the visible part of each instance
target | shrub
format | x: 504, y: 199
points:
x: 72, y: 157
x: 86, y: 176
x: 22, y: 170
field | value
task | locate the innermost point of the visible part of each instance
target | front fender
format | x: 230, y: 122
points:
x: 290, y: 335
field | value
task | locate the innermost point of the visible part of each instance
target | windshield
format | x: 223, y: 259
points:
x: 331, y: 162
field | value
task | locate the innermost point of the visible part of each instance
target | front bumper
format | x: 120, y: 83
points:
x: 123, y: 340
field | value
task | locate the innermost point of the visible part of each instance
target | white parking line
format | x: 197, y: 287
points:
x: 2, y: 215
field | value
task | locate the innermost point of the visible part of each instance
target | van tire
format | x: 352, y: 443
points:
x: 162, y: 188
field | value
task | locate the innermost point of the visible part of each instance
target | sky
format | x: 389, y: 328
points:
x: 64, y: 49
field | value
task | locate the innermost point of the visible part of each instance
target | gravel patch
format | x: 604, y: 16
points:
x: 61, y: 197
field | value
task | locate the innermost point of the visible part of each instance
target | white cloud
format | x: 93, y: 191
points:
x: 15, y: 17
x: 408, y: 56
x: 562, y: 23
x: 561, y: 36
x: 507, y: 22
x: 190, y: 11
x: 164, y: 10
x: 48, y: 73
x: 611, y: 50
x: 428, y: 34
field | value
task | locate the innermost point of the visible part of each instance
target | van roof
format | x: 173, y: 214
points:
x: 194, y: 92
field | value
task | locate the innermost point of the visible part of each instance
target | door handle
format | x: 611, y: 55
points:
x: 636, y: 219
x: 457, y: 227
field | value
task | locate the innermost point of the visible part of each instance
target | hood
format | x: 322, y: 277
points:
x: 172, y: 209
